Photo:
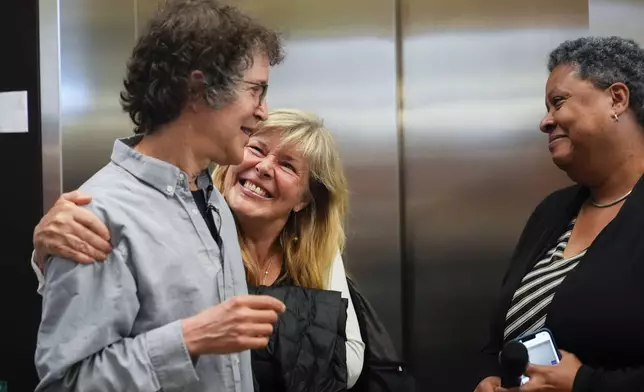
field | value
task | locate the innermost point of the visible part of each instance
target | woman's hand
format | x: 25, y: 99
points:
x: 72, y: 232
x: 555, y: 378
x: 551, y: 378
x: 489, y: 384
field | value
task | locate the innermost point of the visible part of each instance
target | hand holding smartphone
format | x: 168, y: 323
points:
x: 541, y: 348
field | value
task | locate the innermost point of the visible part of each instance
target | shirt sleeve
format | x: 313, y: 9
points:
x: 38, y: 272
x: 85, y: 338
x: 355, y: 345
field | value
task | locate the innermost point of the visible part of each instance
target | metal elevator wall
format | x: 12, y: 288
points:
x: 435, y: 106
x: 475, y: 162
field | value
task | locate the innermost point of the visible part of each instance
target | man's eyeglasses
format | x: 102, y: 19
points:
x: 262, y: 86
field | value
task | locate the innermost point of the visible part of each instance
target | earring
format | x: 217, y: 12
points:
x: 616, y: 117
x: 295, y: 237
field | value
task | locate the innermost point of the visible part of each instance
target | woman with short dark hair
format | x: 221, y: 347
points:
x: 578, y: 268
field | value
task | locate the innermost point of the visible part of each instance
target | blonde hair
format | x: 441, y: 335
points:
x: 311, y: 237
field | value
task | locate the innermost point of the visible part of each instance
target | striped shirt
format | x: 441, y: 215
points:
x: 529, y: 307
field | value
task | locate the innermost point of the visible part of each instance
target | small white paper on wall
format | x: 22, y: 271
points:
x: 14, y: 116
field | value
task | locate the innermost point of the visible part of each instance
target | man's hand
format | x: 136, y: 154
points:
x: 238, y: 324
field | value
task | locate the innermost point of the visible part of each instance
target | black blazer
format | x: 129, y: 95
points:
x: 598, y: 310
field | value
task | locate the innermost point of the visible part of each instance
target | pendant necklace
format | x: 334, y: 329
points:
x: 270, y: 262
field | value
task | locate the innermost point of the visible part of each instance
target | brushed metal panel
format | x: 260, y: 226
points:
x: 475, y: 162
x: 49, y: 36
x: 96, y: 40
x: 340, y: 64
x: 617, y: 17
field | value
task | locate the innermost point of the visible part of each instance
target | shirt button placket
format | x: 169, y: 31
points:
x: 236, y: 372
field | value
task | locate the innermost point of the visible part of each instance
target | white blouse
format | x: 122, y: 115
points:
x: 355, y: 345
x: 337, y: 282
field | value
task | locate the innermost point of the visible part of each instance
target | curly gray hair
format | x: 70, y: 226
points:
x: 604, y: 61
x: 184, y: 36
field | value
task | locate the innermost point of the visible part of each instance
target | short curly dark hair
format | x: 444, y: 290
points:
x: 184, y: 36
x: 604, y: 61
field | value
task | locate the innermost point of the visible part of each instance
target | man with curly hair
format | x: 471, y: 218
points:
x: 168, y: 309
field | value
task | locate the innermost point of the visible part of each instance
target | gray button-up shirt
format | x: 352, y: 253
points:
x: 115, y: 325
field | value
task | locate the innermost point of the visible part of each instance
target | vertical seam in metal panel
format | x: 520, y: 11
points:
x: 39, y: 103
x: 136, y: 19
x: 406, y: 272
x: 59, y: 98
x: 588, y: 12
x: 50, y: 112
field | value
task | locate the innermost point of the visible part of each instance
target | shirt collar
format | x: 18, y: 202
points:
x: 161, y: 175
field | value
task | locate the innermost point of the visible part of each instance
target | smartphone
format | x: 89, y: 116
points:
x: 542, y: 349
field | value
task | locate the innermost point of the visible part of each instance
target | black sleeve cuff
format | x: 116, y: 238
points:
x: 488, y: 366
x: 583, y: 379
